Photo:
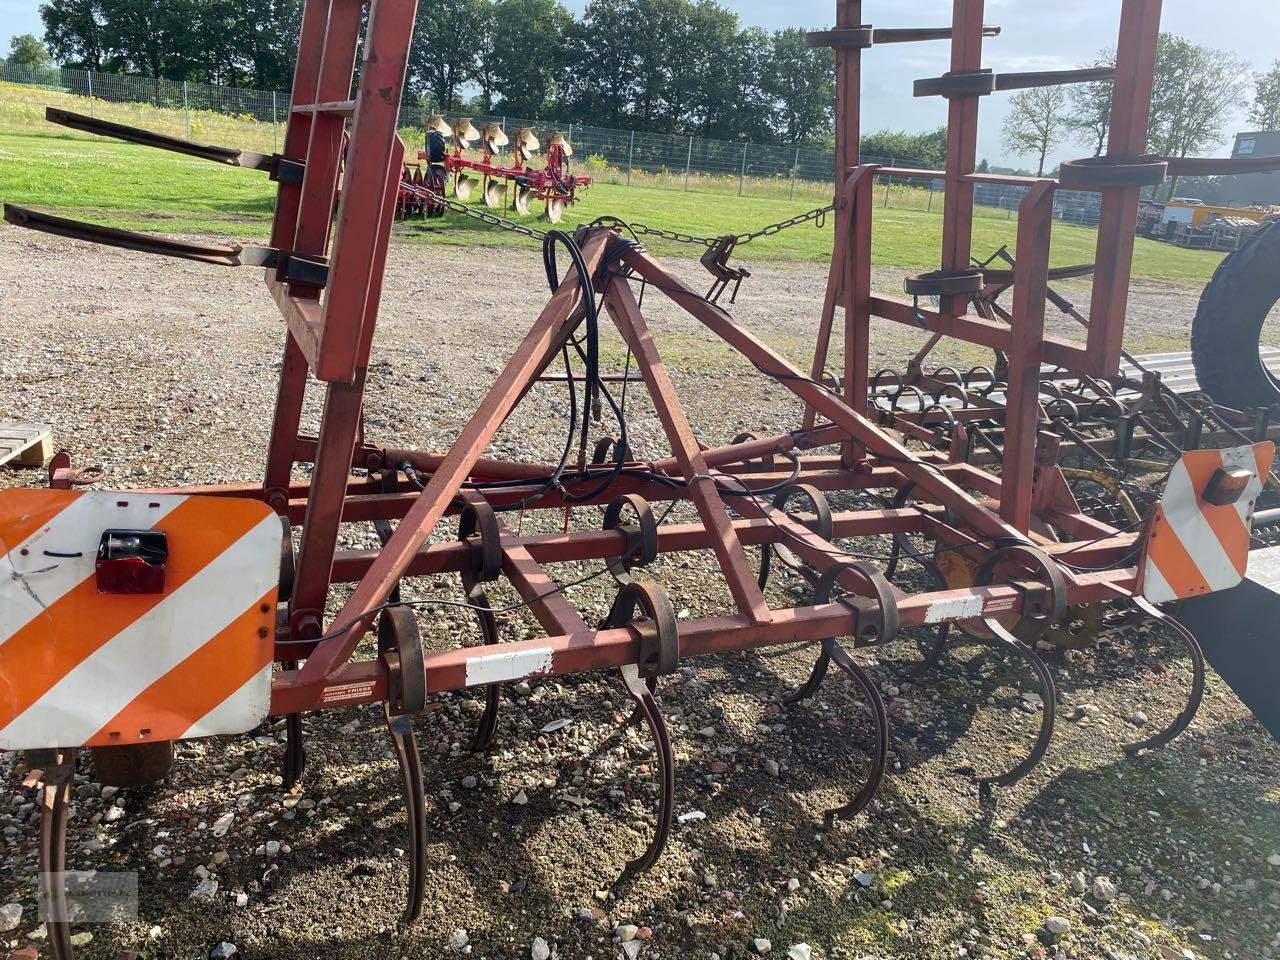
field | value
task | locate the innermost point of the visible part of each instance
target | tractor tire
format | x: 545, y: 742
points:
x: 1227, y: 330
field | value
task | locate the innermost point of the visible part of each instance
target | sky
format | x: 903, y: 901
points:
x: 1037, y: 35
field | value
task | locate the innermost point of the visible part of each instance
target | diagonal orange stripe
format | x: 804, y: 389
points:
x: 169, y: 707
x: 1228, y: 529
x: 28, y: 510
x: 1173, y: 561
x: 46, y: 649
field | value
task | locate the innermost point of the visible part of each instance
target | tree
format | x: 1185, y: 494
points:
x: 440, y: 56
x: 75, y: 32
x: 897, y: 147
x: 603, y: 62
x: 528, y: 54
x: 1037, y: 123
x: 25, y: 50
x: 1196, y: 91
x: 1090, y: 116
x: 1265, y: 114
x: 802, y: 82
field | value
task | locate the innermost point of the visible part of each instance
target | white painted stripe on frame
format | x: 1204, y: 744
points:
x: 515, y: 665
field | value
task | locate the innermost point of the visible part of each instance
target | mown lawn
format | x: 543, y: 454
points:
x: 143, y: 189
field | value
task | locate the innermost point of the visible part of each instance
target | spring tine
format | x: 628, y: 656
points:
x: 1003, y: 639
x: 810, y: 686
x: 879, y: 757
x: 295, y: 754
x: 487, y: 728
x: 55, y: 796
x: 1188, y: 713
x: 645, y: 700
x: 406, y: 749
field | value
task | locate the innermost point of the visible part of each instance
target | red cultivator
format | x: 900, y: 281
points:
x: 422, y: 189
x: 1006, y: 554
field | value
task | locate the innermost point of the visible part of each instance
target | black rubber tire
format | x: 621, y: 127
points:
x: 1226, y: 333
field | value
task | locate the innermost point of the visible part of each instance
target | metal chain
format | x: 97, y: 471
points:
x: 492, y: 219
x: 818, y: 214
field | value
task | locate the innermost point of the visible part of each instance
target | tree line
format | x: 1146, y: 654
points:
x: 1197, y: 90
x: 661, y: 66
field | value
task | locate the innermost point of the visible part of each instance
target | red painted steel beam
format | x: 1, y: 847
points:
x: 566, y: 654
x: 962, y: 145
x: 536, y: 588
x: 372, y: 171
x: 930, y: 481
x: 1022, y: 406
x: 579, y: 546
x: 625, y: 311
x: 544, y: 338
x: 1130, y: 114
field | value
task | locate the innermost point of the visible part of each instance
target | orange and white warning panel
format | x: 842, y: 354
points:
x: 1197, y: 541
x: 83, y: 667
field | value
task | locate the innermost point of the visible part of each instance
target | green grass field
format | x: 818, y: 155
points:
x: 144, y: 189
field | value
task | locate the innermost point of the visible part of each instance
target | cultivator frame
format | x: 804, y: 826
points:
x: 1020, y: 551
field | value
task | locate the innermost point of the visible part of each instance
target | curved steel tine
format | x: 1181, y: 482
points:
x: 1183, y: 720
x: 879, y: 757
x: 55, y: 802
x: 406, y: 748
x: 295, y: 752
x: 642, y: 693
x: 929, y: 566
x: 478, y: 525
x: 933, y: 656
x: 487, y: 728
x: 810, y: 686
x: 1049, y: 698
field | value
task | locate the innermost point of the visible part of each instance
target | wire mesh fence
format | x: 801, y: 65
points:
x: 255, y: 119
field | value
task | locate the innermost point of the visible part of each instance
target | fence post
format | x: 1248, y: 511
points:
x: 795, y: 171
x: 89, y: 76
x: 930, y: 207
x: 742, y: 173
x: 274, y: 131
x: 888, y: 182
x: 688, y: 166
x: 631, y: 157
x: 185, y: 109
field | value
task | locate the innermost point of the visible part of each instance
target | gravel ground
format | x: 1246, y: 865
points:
x: 163, y: 372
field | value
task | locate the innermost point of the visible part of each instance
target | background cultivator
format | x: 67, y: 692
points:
x: 1016, y: 505
x: 517, y: 185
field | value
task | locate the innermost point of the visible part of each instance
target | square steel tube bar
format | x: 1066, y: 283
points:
x: 962, y: 145
x: 356, y: 268
x: 297, y: 131
x: 621, y: 304
x: 1022, y: 399
x: 579, y: 546
x: 933, y: 483
x: 853, y: 239
x: 548, y: 605
x: 325, y: 132
x: 1130, y: 117
x: 546, y: 336
x: 592, y: 650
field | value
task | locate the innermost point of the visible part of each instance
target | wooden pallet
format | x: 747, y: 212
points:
x: 29, y: 444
